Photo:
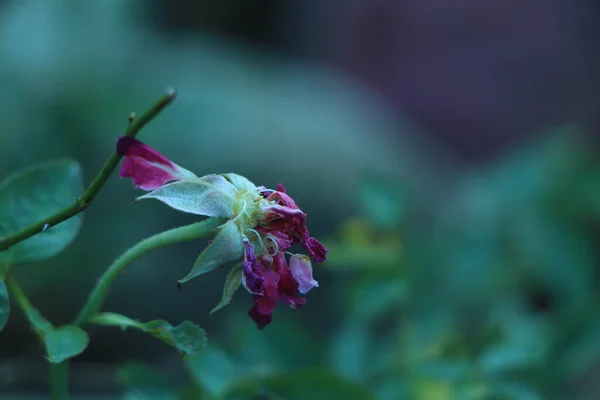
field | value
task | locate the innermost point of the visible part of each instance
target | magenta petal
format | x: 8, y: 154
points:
x: 317, y: 251
x: 131, y: 147
x: 148, y: 168
x: 288, y: 286
x: 261, y: 320
x: 145, y: 175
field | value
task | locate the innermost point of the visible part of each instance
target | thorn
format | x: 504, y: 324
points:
x: 179, y: 286
x: 170, y: 93
x: 131, y: 117
x: 46, y: 226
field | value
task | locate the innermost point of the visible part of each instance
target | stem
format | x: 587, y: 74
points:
x: 181, y: 234
x: 59, y: 373
x: 59, y: 381
x: 30, y: 312
x: 83, y: 202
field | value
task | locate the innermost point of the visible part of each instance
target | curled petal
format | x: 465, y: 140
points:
x: 317, y: 251
x: 301, y: 270
x: 148, y: 168
x: 290, y: 221
x: 261, y: 320
x: 283, y: 241
x: 251, y: 278
x: 267, y: 303
x: 288, y: 286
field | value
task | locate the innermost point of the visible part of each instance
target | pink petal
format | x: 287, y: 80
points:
x: 148, y: 168
x: 301, y: 269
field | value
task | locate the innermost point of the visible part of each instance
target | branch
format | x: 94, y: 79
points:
x: 83, y: 202
x: 176, y: 235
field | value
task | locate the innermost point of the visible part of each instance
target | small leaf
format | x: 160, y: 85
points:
x: 226, y: 247
x: 187, y: 337
x: 232, y: 283
x: 114, y: 319
x: 65, y: 342
x: 211, y: 195
x: 36, y: 193
x: 4, y: 304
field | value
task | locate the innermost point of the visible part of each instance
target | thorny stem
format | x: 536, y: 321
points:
x: 176, y: 235
x: 59, y: 373
x: 83, y: 202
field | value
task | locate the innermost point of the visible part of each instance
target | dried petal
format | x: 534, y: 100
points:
x: 253, y: 282
x: 315, y: 248
x: 261, y: 320
x: 288, y: 286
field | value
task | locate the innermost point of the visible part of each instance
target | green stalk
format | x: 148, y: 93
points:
x: 181, y: 234
x: 83, y: 202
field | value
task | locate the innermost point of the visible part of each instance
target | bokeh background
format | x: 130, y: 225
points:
x: 445, y: 152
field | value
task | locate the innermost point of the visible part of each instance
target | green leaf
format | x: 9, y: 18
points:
x: 114, y: 319
x: 143, y: 382
x: 349, y: 350
x: 215, y: 370
x: 65, y: 342
x: 186, y: 337
x: 317, y: 384
x: 232, y: 283
x: 4, y: 304
x: 36, y: 193
x: 384, y: 202
x: 226, y: 247
x: 211, y: 195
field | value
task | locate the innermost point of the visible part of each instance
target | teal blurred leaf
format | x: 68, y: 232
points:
x: 317, y: 384
x: 383, y: 202
x: 214, y: 370
x: 378, y: 293
x: 64, y: 342
x: 186, y: 337
x: 349, y: 350
x: 513, y: 391
x: 36, y: 193
x: 4, y: 304
x: 144, y: 383
x: 232, y: 283
x: 524, y: 344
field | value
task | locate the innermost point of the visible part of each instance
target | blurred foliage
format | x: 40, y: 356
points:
x: 443, y: 282
x: 494, y: 300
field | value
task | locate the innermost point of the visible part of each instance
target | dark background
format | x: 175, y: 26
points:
x: 446, y: 151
